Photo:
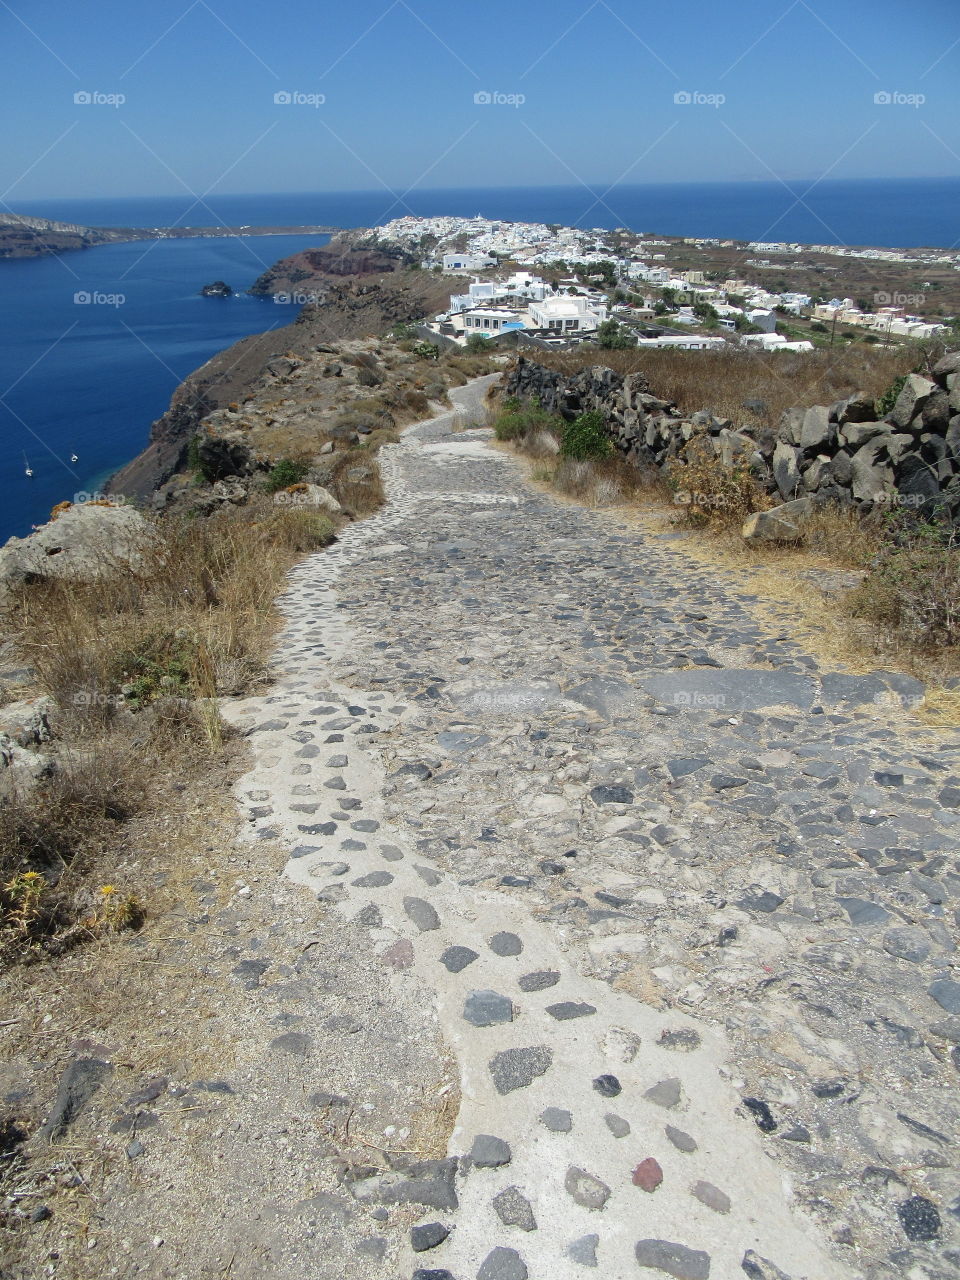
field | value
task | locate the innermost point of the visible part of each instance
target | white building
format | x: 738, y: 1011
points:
x: 467, y: 261
x: 567, y: 314
x: 490, y: 321
x: 695, y: 342
x: 775, y: 342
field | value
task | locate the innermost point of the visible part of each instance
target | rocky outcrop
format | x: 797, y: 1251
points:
x: 842, y: 452
x: 218, y: 289
x: 81, y: 543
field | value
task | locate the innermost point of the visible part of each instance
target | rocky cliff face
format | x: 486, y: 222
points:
x: 354, y: 307
x: 842, y: 452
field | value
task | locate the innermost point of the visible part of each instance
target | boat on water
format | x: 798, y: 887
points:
x: 27, y: 469
x: 74, y: 457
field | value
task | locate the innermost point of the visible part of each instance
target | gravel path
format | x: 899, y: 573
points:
x: 685, y: 901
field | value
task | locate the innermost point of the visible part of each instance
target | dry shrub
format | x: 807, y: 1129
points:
x: 355, y: 480
x: 725, y: 380
x: 50, y: 836
x: 843, y: 535
x: 711, y: 495
x: 541, y: 444
x: 911, y: 595
x: 574, y: 477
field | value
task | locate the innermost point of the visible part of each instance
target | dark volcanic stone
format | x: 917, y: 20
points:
x: 539, y: 980
x: 506, y: 944
x: 946, y: 992
x: 607, y: 1086
x: 556, y: 1120
x: 422, y: 914
x: 79, y: 1082
x: 517, y: 1068
x: 456, y: 959
x: 611, y: 795
x: 503, y: 1264
x: 427, y: 1236
x: 487, y: 1008
x: 513, y: 1209
x: 673, y: 1259
x: 919, y: 1218
x: 761, y: 1113
x: 757, y: 1268
x: 568, y: 1009
x: 489, y: 1152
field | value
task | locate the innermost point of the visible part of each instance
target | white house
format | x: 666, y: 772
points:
x: 775, y: 342
x: 467, y: 261
x: 695, y: 342
x: 567, y: 314
x: 489, y: 321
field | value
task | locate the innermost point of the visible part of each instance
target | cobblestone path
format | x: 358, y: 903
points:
x: 686, y: 901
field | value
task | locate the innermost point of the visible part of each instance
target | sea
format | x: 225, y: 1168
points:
x: 93, y: 343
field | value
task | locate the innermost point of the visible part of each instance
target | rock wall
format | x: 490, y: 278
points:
x: 841, y: 452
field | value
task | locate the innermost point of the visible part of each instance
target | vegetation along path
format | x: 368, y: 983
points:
x: 683, y: 900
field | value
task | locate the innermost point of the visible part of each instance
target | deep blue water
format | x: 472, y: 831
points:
x: 896, y: 213
x: 90, y: 378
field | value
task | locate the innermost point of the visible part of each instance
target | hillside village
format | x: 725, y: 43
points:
x: 590, y: 278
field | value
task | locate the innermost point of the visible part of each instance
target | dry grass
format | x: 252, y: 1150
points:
x: 724, y: 380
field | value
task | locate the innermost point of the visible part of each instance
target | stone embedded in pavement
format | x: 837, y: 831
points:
x: 946, y: 992
x: 862, y: 911
x: 919, y: 1218
x: 568, y: 1009
x: 611, y: 795
x: 616, y: 1124
x: 757, y: 1268
x: 684, y: 1039
x: 556, y: 1120
x: 647, y: 1175
x: 682, y: 1141
x: 907, y: 944
x: 711, y: 1196
x: 584, y: 1250
x: 422, y: 914
x: 673, y: 1259
x: 506, y: 944
x: 513, y: 1209
x: 427, y: 1236
x: 589, y: 1192
x: 433, y: 1273
x: 607, y: 1086
x: 489, y: 1152
x: 487, y: 1008
x: 685, y: 765
x: 373, y: 880
x: 400, y: 954
x: 503, y: 1264
x: 761, y: 1114
x: 456, y: 959
x: 539, y: 980
x: 666, y: 1093
x: 517, y: 1068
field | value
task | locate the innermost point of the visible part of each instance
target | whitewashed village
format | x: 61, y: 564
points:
x: 614, y: 287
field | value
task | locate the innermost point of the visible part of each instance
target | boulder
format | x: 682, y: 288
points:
x: 872, y: 477
x: 817, y: 472
x: 858, y: 408
x: 786, y: 472
x: 817, y: 431
x: 854, y: 434
x: 735, y: 447
x: 918, y: 481
x: 221, y: 456
x: 949, y: 365
x: 791, y: 425
x: 841, y: 469
x: 20, y: 768
x: 27, y: 723
x: 952, y: 437
x: 780, y: 524
x: 936, y: 413
x: 84, y: 543
x: 914, y: 394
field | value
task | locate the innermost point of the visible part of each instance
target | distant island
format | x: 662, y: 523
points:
x: 26, y: 237
x: 218, y: 289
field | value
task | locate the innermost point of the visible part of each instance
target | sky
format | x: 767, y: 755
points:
x: 111, y: 98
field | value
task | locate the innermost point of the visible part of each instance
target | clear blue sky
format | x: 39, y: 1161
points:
x: 399, y: 79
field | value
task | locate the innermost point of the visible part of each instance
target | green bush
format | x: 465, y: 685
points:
x: 477, y: 343
x: 518, y: 420
x: 889, y: 397
x: 284, y: 473
x: 586, y: 438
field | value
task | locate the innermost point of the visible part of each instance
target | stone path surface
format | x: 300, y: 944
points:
x: 686, y: 903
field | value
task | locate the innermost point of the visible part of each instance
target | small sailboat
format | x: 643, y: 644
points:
x: 28, y: 470
x: 74, y: 457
